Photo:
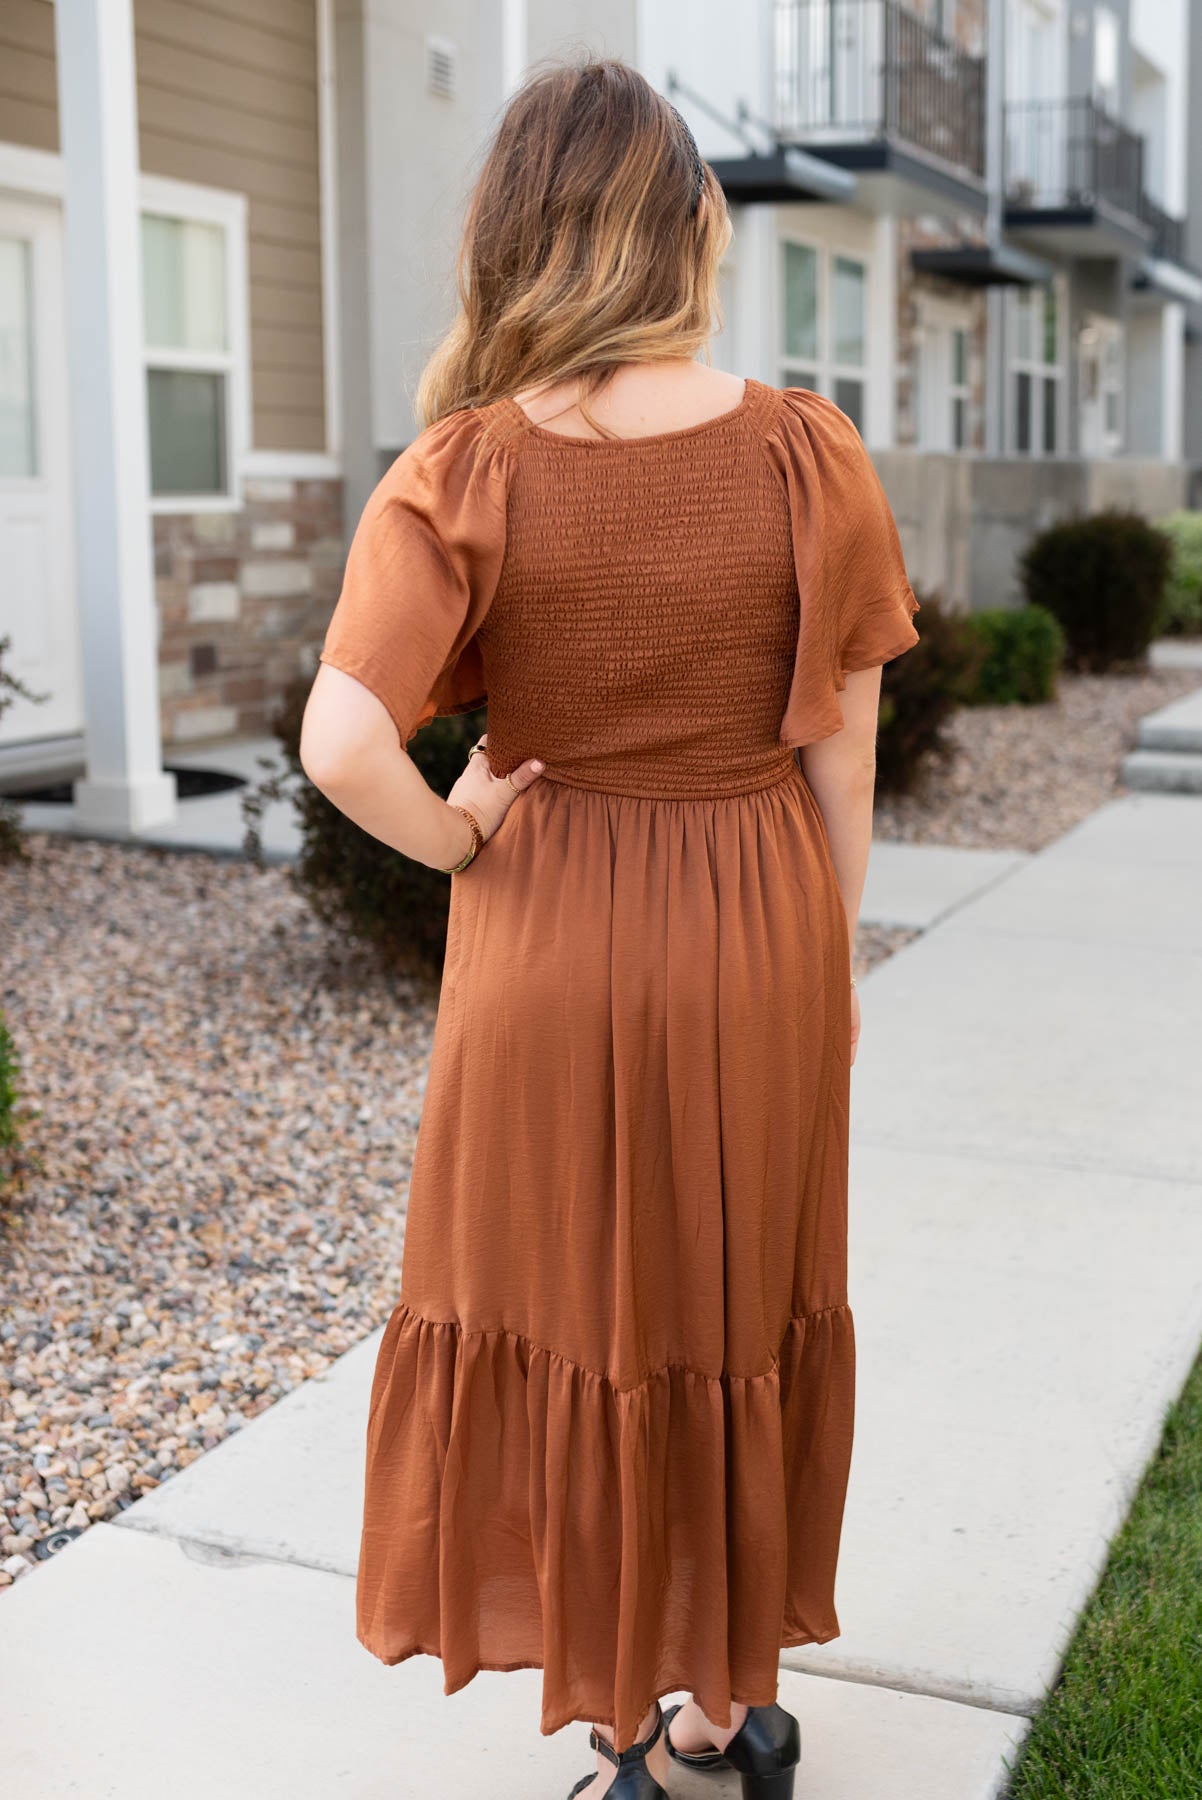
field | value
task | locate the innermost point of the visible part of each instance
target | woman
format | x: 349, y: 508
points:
x: 611, y: 1420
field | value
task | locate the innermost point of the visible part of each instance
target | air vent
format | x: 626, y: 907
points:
x: 442, y: 67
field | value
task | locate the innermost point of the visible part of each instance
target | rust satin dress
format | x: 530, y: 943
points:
x: 611, y: 1420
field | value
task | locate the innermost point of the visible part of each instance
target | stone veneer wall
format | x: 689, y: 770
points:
x: 965, y: 520
x: 244, y: 599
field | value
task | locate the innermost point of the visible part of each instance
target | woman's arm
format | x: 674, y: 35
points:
x: 841, y: 772
x: 349, y: 750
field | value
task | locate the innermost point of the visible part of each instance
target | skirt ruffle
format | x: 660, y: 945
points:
x: 525, y: 1512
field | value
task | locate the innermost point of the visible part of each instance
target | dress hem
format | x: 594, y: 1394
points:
x: 792, y: 1642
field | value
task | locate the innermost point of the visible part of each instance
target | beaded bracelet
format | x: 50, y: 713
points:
x: 477, y: 839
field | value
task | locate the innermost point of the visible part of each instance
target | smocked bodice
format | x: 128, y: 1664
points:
x: 663, y: 616
x: 652, y: 653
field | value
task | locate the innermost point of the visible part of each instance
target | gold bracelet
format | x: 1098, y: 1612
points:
x: 477, y: 839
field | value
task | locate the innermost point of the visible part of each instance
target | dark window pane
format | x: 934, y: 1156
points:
x: 1022, y: 412
x: 960, y: 356
x: 1051, y: 329
x: 959, y: 423
x: 849, y: 311
x: 187, y: 432
x: 800, y: 300
x: 849, y: 398
x: 1049, y: 416
x: 802, y: 378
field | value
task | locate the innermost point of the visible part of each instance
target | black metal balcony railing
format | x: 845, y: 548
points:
x: 1168, y: 233
x: 1071, y: 153
x: 871, y: 69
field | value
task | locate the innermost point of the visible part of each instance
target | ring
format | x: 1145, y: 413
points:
x: 513, y: 784
x: 477, y: 750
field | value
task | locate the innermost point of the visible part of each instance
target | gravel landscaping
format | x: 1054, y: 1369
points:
x: 228, y: 1101
x: 1026, y: 774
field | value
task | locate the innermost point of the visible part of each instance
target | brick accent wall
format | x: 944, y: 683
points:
x: 244, y: 599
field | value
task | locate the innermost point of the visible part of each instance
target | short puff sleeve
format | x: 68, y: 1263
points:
x: 421, y: 573
x: 857, y: 604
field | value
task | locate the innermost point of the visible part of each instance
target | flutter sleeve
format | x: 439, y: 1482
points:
x: 857, y: 604
x: 421, y: 573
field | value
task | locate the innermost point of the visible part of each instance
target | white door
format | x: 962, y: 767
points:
x: 37, y: 570
x: 1100, y: 385
x: 943, y: 386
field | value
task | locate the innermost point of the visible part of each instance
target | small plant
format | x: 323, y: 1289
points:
x: 920, y: 692
x: 348, y: 877
x: 1024, y: 651
x: 12, y: 843
x: 1181, y: 612
x: 1104, y: 578
x: 9, y: 1094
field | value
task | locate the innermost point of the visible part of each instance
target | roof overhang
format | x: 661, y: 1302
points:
x: 1079, y: 228
x: 981, y: 265
x: 1156, y: 281
x: 787, y: 174
x: 895, y: 177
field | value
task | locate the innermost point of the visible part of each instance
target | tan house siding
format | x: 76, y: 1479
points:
x: 225, y: 104
x: 28, y: 106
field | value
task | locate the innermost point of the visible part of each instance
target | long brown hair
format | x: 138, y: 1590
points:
x: 593, y: 238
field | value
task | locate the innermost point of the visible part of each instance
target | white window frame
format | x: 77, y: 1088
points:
x: 827, y: 370
x: 163, y: 197
x: 1039, y: 371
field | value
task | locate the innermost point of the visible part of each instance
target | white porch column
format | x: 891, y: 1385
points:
x: 125, y: 788
x: 1172, y: 382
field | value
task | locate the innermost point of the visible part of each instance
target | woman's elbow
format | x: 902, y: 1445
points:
x: 326, y: 755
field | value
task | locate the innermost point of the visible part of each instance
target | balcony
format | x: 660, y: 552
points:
x: 872, y: 88
x: 1074, y: 181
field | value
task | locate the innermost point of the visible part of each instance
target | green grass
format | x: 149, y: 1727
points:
x: 1125, y: 1720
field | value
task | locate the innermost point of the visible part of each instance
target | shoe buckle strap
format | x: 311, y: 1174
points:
x: 634, y: 1752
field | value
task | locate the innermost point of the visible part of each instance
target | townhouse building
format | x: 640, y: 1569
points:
x: 226, y: 248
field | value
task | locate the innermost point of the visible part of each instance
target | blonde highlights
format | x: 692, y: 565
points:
x: 585, y: 245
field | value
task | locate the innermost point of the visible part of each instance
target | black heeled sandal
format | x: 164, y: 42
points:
x: 765, y: 1752
x: 634, y: 1780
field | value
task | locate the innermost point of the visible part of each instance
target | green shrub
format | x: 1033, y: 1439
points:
x: 1104, y: 578
x: 920, y: 692
x: 1181, y: 611
x: 1024, y: 650
x: 350, y: 878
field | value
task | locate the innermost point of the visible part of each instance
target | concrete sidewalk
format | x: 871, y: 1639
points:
x: 1027, y: 1171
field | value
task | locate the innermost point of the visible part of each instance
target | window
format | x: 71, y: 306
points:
x: 1106, y: 58
x: 194, y: 309
x: 959, y: 388
x: 1036, y: 371
x: 801, y: 315
x: 824, y: 332
x: 18, y: 413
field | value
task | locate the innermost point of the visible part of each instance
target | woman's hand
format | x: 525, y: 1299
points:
x: 488, y: 796
x: 855, y: 1021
